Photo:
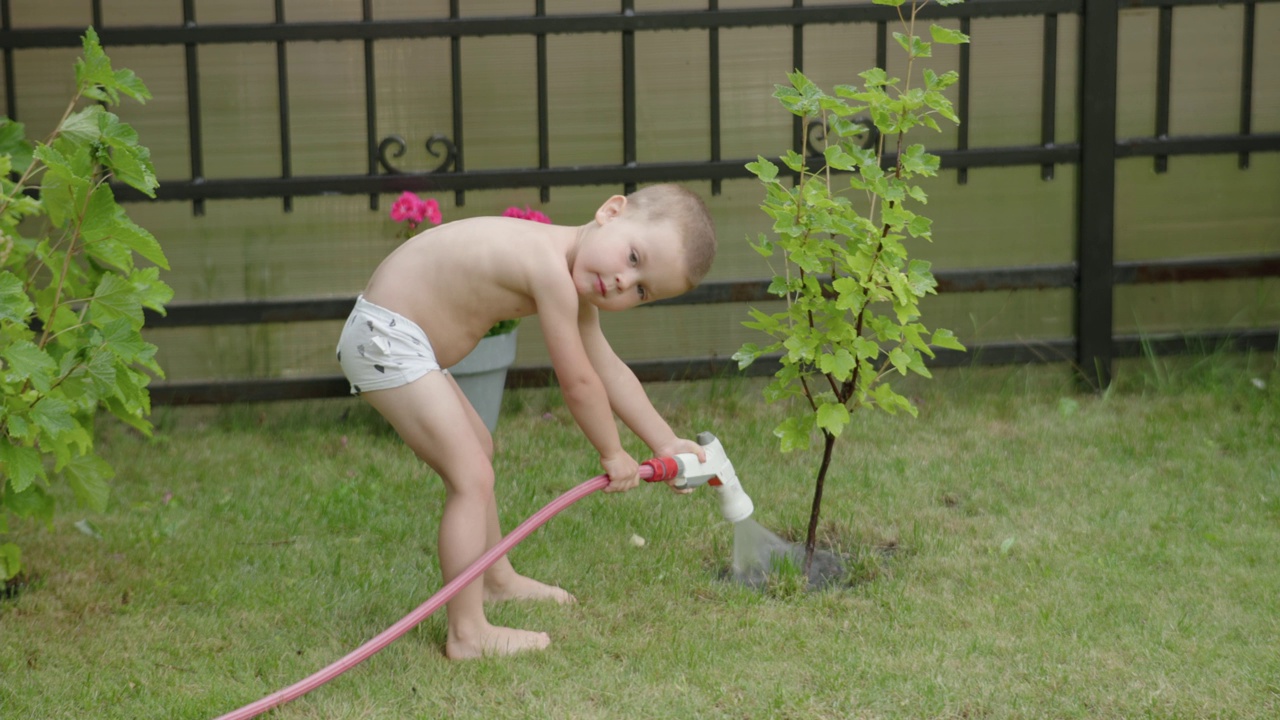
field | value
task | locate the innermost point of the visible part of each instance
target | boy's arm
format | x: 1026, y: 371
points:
x: 626, y: 394
x: 583, y: 389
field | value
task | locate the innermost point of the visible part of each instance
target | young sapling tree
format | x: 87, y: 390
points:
x: 851, y: 319
x: 71, y: 297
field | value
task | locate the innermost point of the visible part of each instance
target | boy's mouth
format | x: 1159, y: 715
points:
x: 600, y: 286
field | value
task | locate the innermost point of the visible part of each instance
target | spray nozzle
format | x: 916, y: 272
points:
x: 718, y: 472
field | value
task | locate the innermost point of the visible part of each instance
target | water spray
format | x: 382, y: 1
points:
x: 684, y: 470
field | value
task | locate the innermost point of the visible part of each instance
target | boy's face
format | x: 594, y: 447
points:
x: 629, y: 259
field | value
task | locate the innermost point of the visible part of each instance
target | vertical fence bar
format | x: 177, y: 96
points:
x: 798, y: 140
x: 370, y: 103
x: 629, y: 93
x: 1164, y: 73
x: 882, y: 45
x: 282, y: 93
x: 713, y: 57
x: 10, y: 81
x: 195, y: 136
x: 962, y: 102
x: 1246, y: 79
x: 1095, y: 194
x: 544, y: 139
x: 1049, y: 90
x: 455, y: 74
x: 96, y: 13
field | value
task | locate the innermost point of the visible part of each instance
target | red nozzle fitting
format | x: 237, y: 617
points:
x: 659, y: 469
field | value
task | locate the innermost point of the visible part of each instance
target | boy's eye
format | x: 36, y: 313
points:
x: 644, y: 294
x: 633, y: 258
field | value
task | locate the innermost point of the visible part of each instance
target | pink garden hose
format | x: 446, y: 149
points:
x: 654, y: 470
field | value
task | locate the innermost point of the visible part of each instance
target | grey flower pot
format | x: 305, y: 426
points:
x: 483, y: 373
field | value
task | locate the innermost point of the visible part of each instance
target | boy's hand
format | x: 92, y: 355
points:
x: 676, y: 447
x: 623, y: 472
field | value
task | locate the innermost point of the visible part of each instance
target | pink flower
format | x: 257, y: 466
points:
x: 526, y: 214
x: 407, y: 207
x: 412, y: 209
x: 432, y: 211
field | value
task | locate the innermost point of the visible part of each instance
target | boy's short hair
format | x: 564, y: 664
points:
x: 686, y: 209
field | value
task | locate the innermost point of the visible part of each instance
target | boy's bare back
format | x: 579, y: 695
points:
x: 457, y: 280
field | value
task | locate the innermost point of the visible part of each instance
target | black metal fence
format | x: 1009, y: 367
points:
x: 1093, y: 275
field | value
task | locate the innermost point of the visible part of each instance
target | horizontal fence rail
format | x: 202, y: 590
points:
x: 1093, y: 275
x: 1038, y: 277
x: 746, y: 291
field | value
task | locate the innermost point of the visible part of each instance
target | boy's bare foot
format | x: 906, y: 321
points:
x: 495, y: 641
x: 519, y: 587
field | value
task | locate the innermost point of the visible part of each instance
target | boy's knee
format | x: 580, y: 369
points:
x: 478, y: 479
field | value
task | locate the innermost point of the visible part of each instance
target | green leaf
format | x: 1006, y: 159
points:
x: 839, y: 159
x: 900, y: 359
x: 793, y: 160
x: 891, y: 402
x: 763, y: 322
x: 21, y: 464
x: 851, y: 129
x: 833, y: 417
x: 134, y: 417
x: 865, y: 348
x: 920, y: 279
x: 53, y: 416
x: 746, y: 355
x: 794, y: 432
x: 944, y: 338
x: 15, y: 306
x: 33, y: 503
x: 101, y: 370
x: 98, y: 81
x: 763, y: 169
x: 126, y: 159
x: 10, y: 561
x: 839, y: 364
x: 109, y: 233
x: 151, y: 291
x: 876, y: 77
x: 25, y: 361
x: 81, y: 128
x: 14, y: 143
x: 915, y: 46
x: 947, y: 36
x: 918, y: 367
x: 63, y: 187
x: 113, y: 299
x: 88, y: 475
x: 916, y: 160
x: 920, y: 227
x: 124, y: 342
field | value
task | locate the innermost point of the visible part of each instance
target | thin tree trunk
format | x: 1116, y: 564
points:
x: 811, y: 540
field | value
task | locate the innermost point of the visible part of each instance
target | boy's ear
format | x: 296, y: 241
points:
x: 611, y: 209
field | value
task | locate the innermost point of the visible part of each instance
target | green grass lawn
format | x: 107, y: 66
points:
x: 1018, y: 551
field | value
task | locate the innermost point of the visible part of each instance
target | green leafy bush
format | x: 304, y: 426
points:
x: 72, y: 296
x: 851, y: 319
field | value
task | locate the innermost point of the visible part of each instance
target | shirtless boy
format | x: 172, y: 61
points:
x: 432, y: 300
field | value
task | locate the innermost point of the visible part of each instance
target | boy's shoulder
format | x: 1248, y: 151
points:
x: 537, y: 249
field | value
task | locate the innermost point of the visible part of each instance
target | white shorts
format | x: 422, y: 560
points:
x: 380, y: 349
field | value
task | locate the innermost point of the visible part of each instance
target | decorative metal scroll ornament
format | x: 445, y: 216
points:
x: 817, y: 134
x: 435, y: 141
